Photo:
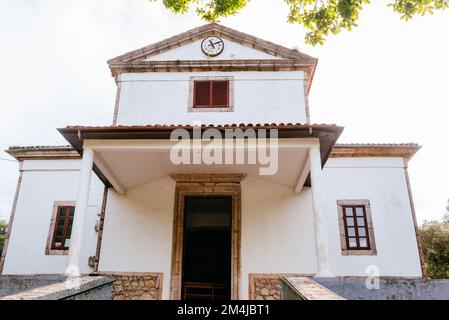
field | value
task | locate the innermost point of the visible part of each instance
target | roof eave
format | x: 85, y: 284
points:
x: 406, y: 151
x: 43, y: 153
x: 75, y: 135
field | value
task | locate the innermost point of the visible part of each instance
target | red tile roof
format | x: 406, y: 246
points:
x: 188, y: 126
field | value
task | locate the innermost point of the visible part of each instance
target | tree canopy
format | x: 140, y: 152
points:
x: 320, y: 17
x: 435, y: 243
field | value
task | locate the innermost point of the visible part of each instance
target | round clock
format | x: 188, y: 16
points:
x: 212, y: 46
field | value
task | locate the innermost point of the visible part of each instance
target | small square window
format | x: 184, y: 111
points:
x: 352, y: 242
x: 362, y: 232
x: 361, y: 222
x: 348, y: 211
x: 350, y: 222
x: 211, y: 94
x: 351, y: 232
x: 363, y: 243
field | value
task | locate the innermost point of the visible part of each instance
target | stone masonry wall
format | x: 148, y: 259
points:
x: 264, y: 287
x: 267, y: 289
x: 136, y: 286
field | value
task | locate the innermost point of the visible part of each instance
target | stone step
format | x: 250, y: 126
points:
x: 304, y: 288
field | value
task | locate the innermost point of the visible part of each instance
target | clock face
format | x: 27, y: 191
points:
x: 212, y: 46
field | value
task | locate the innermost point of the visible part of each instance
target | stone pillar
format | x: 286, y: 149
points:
x: 319, y: 219
x: 73, y: 259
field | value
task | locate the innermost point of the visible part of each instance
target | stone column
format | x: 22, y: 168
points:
x: 319, y: 219
x: 73, y: 259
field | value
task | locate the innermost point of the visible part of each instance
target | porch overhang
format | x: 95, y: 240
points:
x: 129, y: 156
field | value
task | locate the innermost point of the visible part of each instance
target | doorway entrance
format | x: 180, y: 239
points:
x: 207, y: 248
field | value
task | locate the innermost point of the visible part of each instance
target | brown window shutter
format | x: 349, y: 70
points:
x: 220, y: 93
x: 202, y: 94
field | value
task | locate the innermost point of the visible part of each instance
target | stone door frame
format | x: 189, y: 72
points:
x: 205, y: 185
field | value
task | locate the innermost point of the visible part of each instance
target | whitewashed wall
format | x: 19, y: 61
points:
x: 43, y: 183
x: 381, y: 181
x: 192, y: 51
x: 277, y: 231
x: 138, y: 228
x: 277, y: 226
x: 259, y: 97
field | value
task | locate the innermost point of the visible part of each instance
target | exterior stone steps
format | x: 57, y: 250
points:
x: 304, y: 288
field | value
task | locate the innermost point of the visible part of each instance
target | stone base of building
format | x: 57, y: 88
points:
x: 266, y: 286
x: 136, y: 285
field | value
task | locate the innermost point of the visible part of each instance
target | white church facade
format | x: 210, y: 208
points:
x: 114, y: 202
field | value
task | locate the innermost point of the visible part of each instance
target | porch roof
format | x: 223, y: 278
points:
x: 326, y: 133
x: 404, y: 150
x: 77, y: 135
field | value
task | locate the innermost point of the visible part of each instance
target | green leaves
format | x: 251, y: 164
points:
x: 321, y: 17
x: 210, y: 10
x: 324, y: 17
x: 410, y: 8
x: 3, y: 230
x: 435, y: 243
x: 178, y: 6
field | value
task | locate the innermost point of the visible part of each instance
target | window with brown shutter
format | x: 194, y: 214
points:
x: 63, y: 228
x: 211, y: 94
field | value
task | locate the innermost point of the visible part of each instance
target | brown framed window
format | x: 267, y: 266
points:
x: 211, y: 94
x: 356, y: 227
x: 62, y: 228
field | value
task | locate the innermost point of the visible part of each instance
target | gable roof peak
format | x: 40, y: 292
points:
x: 212, y: 28
x: 284, y: 59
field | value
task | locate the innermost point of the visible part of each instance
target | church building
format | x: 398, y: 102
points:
x: 212, y: 182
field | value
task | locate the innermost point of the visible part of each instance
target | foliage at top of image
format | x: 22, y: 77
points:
x: 435, y: 243
x: 320, y: 17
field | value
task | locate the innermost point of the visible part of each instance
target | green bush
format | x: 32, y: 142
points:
x: 3, y: 230
x: 435, y: 244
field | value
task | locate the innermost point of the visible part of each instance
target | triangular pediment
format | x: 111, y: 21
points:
x: 242, y: 52
x: 250, y: 47
x: 193, y: 52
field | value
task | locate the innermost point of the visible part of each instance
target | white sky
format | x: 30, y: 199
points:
x: 386, y: 81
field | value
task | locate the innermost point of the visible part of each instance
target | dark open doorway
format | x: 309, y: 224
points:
x: 206, y: 273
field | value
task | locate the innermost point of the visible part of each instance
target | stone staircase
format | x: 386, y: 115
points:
x: 304, y: 288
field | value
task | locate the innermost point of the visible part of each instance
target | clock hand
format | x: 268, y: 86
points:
x: 211, y: 44
x: 218, y: 42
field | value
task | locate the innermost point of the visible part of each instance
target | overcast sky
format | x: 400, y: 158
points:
x: 386, y: 81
